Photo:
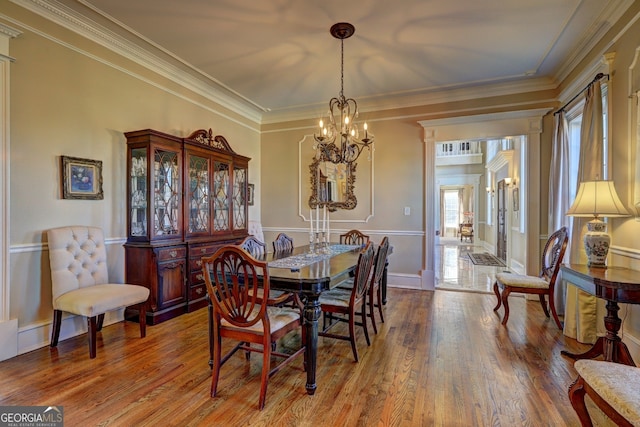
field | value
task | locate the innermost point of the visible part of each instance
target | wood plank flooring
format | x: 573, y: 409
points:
x: 441, y: 359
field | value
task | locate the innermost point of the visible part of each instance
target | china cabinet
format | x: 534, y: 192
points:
x: 186, y: 197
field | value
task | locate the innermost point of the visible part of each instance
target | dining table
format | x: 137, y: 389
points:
x: 309, y: 273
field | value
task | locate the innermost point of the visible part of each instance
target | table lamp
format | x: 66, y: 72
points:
x: 597, y: 199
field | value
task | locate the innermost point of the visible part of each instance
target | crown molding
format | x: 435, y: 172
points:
x: 91, y: 30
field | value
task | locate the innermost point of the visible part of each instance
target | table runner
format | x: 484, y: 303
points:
x: 302, y: 260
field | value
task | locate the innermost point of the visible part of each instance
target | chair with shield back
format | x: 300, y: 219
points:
x: 346, y: 303
x: 354, y: 237
x: 258, y: 250
x: 254, y: 246
x: 283, y: 243
x: 544, y: 284
x: 80, y: 282
x: 236, y: 283
x: 375, y: 290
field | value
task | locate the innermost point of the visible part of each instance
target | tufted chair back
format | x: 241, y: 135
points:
x: 80, y: 282
x: 255, y: 229
x: 78, y: 258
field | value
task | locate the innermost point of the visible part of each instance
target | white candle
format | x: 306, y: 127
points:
x: 311, y: 220
x: 324, y: 218
x: 328, y: 228
x: 317, y: 219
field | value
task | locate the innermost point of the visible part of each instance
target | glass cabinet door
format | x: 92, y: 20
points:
x: 138, y: 192
x: 166, y: 188
x: 198, y: 195
x: 221, y: 176
x: 239, y: 198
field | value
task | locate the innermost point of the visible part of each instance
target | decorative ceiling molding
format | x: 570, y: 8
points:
x: 83, y: 26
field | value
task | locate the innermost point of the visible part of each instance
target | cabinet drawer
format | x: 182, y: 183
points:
x: 196, y: 277
x: 168, y: 254
x: 197, y: 292
x: 200, y: 251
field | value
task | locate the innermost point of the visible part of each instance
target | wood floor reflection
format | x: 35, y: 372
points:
x: 441, y: 359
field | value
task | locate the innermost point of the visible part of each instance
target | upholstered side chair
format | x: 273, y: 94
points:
x: 613, y: 387
x: 348, y: 303
x: 80, y: 282
x: 542, y: 285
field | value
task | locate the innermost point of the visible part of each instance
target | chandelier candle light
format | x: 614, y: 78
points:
x: 345, y: 110
x: 597, y: 199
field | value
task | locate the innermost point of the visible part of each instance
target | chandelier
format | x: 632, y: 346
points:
x: 341, y: 117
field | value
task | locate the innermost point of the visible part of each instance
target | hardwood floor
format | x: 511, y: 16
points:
x: 442, y: 358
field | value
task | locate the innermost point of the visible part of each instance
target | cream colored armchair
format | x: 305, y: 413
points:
x: 80, y: 282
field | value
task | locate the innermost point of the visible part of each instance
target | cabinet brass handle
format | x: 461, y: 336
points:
x: 173, y: 254
x: 199, y: 291
x: 199, y: 263
x: 200, y: 276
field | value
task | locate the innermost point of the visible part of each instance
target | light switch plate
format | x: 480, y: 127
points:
x: 407, y: 210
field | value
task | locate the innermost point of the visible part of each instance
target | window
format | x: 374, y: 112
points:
x: 451, y: 217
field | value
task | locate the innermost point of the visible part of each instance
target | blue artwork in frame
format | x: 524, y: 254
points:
x: 81, y: 178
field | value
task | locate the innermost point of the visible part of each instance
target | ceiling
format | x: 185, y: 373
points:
x: 278, y: 55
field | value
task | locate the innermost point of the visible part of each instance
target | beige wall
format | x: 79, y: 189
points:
x: 70, y: 96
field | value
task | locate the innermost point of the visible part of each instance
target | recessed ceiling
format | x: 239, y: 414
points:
x: 279, y: 55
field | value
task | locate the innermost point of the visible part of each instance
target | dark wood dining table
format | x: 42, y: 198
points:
x: 310, y: 281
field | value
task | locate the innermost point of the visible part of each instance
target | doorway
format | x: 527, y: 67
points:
x: 501, y: 220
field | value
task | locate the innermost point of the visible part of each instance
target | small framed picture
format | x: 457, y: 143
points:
x: 250, y: 194
x: 81, y: 178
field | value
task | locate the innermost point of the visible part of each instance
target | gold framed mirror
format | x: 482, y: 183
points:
x: 332, y: 184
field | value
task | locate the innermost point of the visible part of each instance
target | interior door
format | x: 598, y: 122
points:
x: 501, y: 221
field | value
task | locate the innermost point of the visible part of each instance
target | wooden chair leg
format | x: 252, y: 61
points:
x: 363, y: 313
x: 100, y: 322
x: 216, y: 354
x: 576, y: 396
x: 92, y: 324
x: 264, y: 378
x: 371, y: 305
x: 496, y: 290
x: 552, y: 306
x: 505, y: 302
x: 142, y: 319
x: 352, y: 335
x: 543, y: 303
x: 379, y: 296
x: 55, y: 331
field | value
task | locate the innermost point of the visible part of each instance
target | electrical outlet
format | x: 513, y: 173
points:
x: 407, y: 210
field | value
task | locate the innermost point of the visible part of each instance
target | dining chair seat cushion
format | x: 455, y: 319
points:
x: 617, y: 384
x: 336, y: 296
x: 521, y: 281
x: 279, y: 317
x: 98, y: 299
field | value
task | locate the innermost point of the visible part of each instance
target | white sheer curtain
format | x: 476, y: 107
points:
x: 559, y: 193
x: 580, y: 321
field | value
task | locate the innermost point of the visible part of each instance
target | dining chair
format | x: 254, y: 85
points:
x: 254, y: 246
x: 80, y: 282
x: 346, y: 302
x: 354, y: 237
x: 374, y: 294
x: 283, y: 243
x: 611, y: 386
x: 236, y: 282
x: 257, y: 249
x: 541, y: 285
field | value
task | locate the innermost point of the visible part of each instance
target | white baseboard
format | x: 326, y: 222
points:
x: 405, y: 281
x: 8, y: 339
x: 38, y: 335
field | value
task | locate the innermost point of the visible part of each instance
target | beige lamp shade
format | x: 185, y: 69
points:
x: 597, y: 199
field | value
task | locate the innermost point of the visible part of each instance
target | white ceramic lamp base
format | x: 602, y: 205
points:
x: 596, y: 243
